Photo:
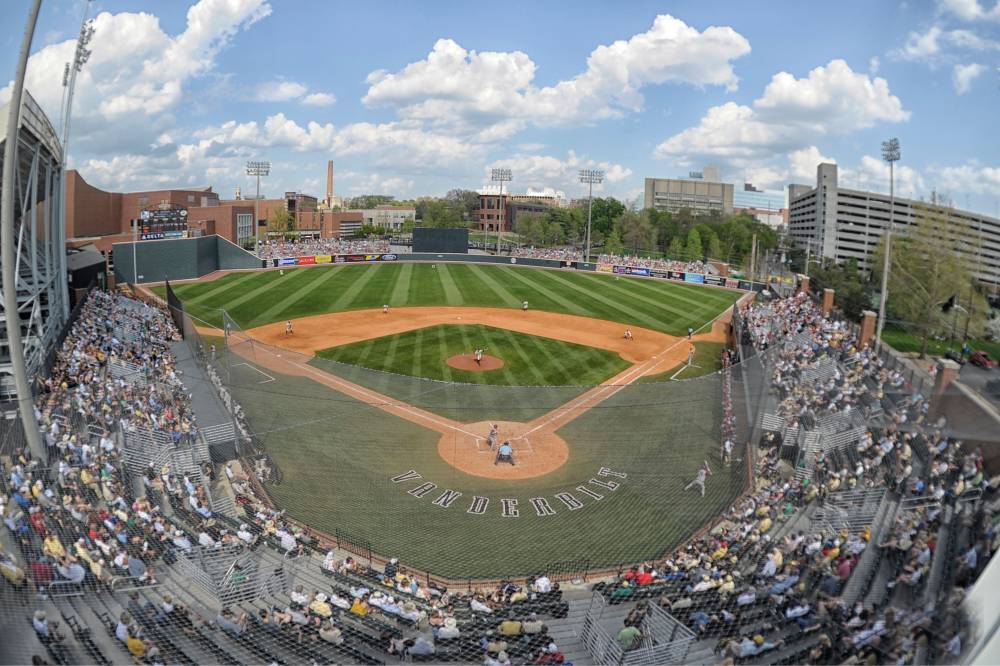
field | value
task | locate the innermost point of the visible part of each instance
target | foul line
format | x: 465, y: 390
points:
x: 269, y: 377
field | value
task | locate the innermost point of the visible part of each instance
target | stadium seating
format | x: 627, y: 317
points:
x: 102, y: 542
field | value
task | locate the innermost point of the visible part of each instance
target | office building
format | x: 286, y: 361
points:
x: 839, y: 223
x: 767, y: 207
x: 513, y: 205
x: 391, y: 218
x: 696, y: 193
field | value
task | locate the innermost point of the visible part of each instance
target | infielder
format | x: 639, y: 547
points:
x: 288, y: 327
x: 703, y: 473
x: 524, y: 306
x: 385, y: 309
x: 628, y: 334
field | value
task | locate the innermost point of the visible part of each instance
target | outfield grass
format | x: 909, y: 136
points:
x: 707, y: 359
x: 529, y: 360
x: 261, y: 297
x: 338, y: 455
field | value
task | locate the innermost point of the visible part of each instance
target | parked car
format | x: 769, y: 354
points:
x: 956, y: 357
x: 982, y: 359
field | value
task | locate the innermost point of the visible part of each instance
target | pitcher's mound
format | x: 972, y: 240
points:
x: 468, y: 362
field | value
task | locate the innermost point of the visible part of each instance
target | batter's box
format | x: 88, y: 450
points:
x: 521, y: 445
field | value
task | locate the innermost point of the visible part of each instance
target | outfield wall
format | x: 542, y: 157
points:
x: 179, y: 259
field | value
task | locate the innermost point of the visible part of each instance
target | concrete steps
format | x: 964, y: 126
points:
x: 565, y: 632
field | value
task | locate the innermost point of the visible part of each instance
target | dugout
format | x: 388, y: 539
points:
x: 450, y: 241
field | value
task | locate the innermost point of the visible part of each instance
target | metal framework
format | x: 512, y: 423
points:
x: 39, y: 237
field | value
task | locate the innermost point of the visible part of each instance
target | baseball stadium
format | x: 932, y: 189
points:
x: 492, y: 427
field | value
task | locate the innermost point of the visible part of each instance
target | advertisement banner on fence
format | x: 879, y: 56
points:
x: 387, y: 257
x: 745, y: 285
x: 287, y: 261
x: 675, y: 275
x: 307, y: 261
x: 732, y: 284
x: 717, y: 280
x: 631, y: 270
x: 605, y: 268
x: 659, y: 274
x: 694, y: 277
x: 323, y: 259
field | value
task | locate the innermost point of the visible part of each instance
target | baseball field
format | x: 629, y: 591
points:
x: 380, y: 420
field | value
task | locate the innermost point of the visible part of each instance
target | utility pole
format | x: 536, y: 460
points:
x: 890, y: 153
x: 590, y: 176
x: 25, y: 400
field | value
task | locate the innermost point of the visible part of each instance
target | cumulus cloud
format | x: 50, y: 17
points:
x: 937, y: 43
x: 319, y: 99
x: 137, y: 71
x: 278, y: 91
x: 539, y: 172
x: 493, y: 92
x: 968, y: 178
x: 872, y: 174
x: 790, y: 115
x: 963, y: 76
x: 971, y: 10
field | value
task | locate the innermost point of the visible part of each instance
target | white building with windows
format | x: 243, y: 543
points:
x: 392, y: 218
x: 839, y: 223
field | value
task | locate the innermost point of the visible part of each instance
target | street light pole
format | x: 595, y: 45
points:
x: 590, y: 176
x: 890, y: 153
x: 257, y: 169
x: 502, y: 176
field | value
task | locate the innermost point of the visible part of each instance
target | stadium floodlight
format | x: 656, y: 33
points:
x: 590, y: 176
x: 890, y: 153
x: 258, y: 169
x: 502, y: 176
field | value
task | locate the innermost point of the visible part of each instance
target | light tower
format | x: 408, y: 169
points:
x: 890, y: 153
x: 257, y: 169
x: 502, y: 176
x: 590, y: 176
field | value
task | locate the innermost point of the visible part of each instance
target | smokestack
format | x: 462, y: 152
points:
x: 329, y: 183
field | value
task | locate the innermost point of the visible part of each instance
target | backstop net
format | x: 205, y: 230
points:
x: 385, y: 465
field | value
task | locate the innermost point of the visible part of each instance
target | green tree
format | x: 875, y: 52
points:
x: 676, y: 249
x: 927, y: 272
x: 371, y: 201
x: 693, y: 246
x: 635, y: 232
x: 613, y: 243
x: 853, y: 292
x: 465, y: 202
x: 605, y: 212
x: 441, y: 214
x: 281, y: 222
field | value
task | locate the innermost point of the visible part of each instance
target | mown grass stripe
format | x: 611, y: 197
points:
x: 452, y: 296
x: 565, y: 377
x: 443, y: 348
x: 497, y: 288
x: 631, y: 292
x: 401, y: 288
x: 534, y: 283
x: 635, y: 314
x: 705, y: 297
x: 418, y: 344
x: 222, y: 286
x: 527, y: 358
x: 347, y: 298
x: 278, y: 310
x: 286, y: 281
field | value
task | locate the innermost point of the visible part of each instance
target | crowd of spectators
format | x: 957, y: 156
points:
x: 755, y: 593
x: 554, y: 253
x: 277, y: 249
x: 753, y: 586
x: 653, y: 264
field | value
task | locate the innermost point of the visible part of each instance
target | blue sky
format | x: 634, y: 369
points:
x: 414, y: 99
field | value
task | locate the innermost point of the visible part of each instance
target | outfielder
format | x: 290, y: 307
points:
x: 703, y: 473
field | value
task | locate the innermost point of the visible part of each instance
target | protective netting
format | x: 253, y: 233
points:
x: 404, y: 464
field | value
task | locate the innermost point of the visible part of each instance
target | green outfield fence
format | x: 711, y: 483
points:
x: 351, y: 472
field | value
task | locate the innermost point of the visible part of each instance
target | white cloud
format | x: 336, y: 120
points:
x: 791, y: 114
x: 319, y: 99
x: 136, y: 71
x: 937, y: 44
x: 873, y: 64
x: 964, y: 75
x: 969, y: 178
x: 278, y: 91
x: 802, y: 164
x: 538, y: 172
x: 971, y: 10
x: 469, y: 90
x: 376, y: 184
x: 872, y: 174
x: 920, y: 46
